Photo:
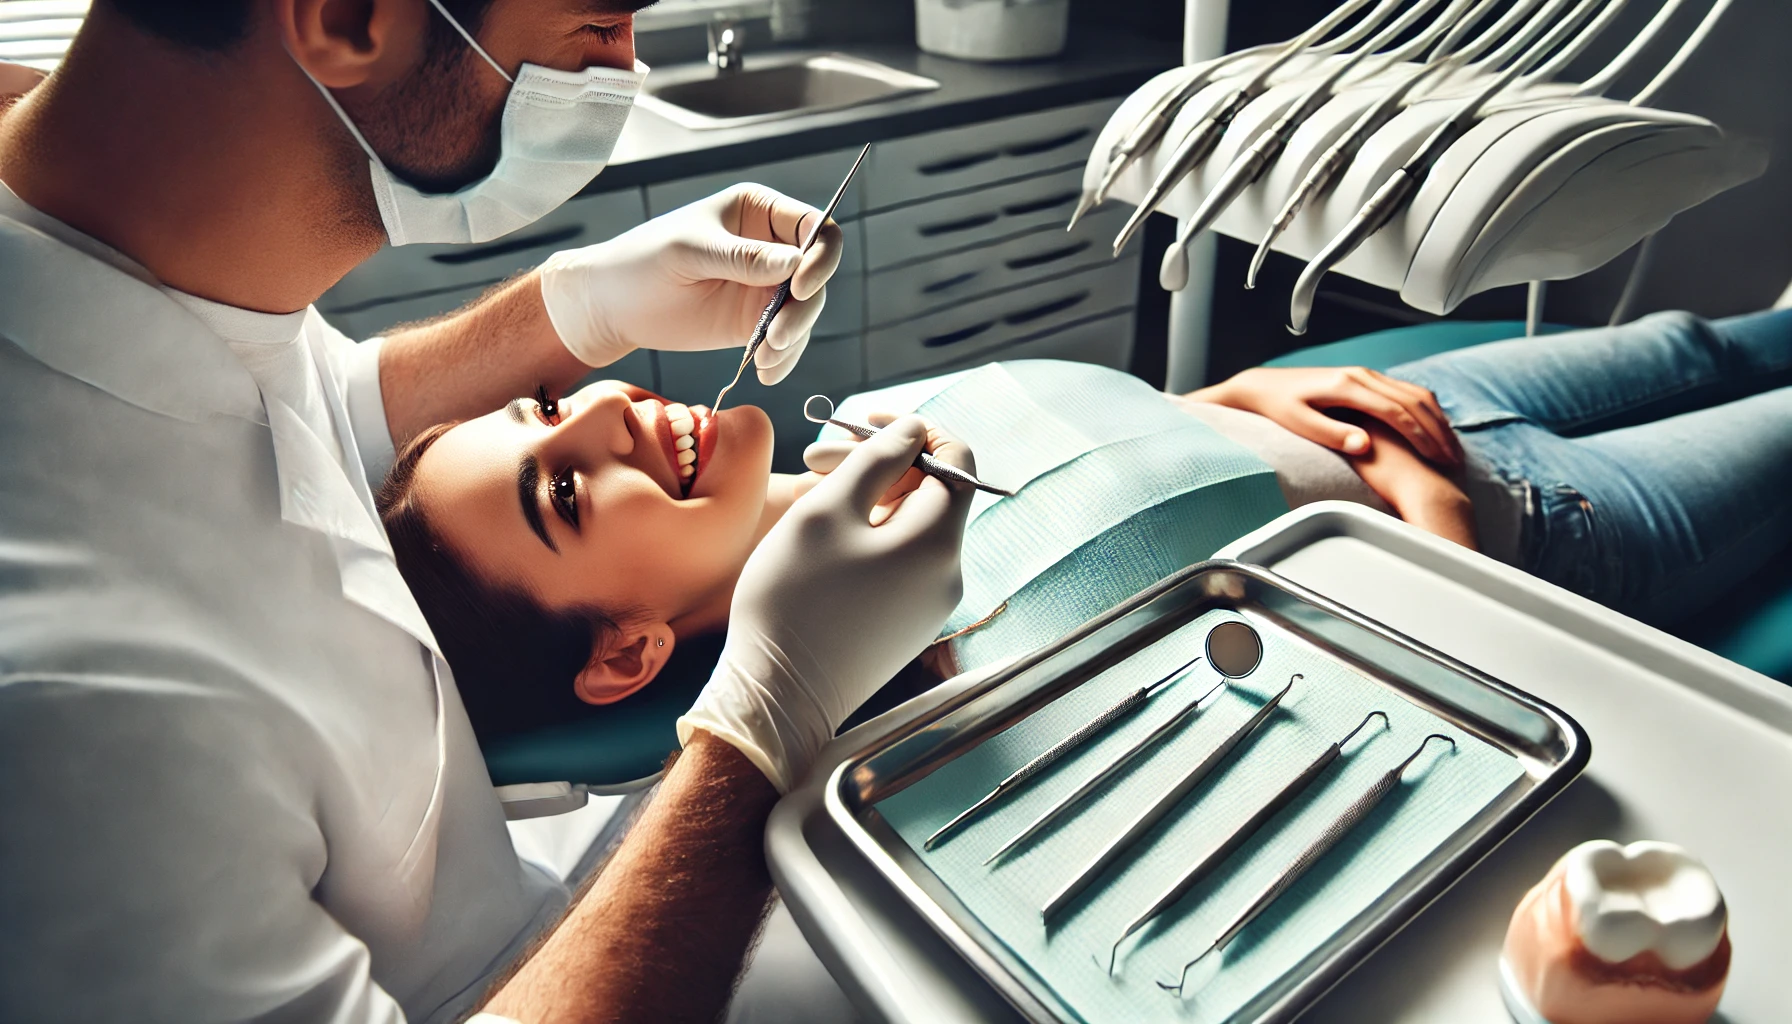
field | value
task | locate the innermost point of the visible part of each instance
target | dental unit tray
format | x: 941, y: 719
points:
x: 1545, y: 188
x: 885, y: 798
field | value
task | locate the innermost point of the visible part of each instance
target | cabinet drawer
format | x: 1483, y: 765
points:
x: 960, y: 334
x: 830, y: 366
x: 397, y: 272
x: 904, y: 291
x: 812, y: 179
x: 923, y: 166
x: 925, y: 230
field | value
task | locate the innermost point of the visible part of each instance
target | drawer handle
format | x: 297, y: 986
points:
x: 954, y: 337
x: 956, y: 163
x: 509, y: 245
x: 1047, y: 145
x: 1035, y: 205
x: 952, y: 282
x: 1055, y: 306
x: 949, y: 227
x: 1042, y: 258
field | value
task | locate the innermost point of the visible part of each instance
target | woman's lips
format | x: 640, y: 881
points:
x: 652, y: 414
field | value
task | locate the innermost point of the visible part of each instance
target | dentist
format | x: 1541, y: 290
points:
x: 235, y: 778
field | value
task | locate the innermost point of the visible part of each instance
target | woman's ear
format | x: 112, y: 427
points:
x: 623, y: 666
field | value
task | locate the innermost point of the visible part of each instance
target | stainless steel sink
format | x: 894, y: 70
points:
x: 776, y: 87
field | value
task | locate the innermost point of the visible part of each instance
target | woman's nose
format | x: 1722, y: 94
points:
x: 595, y: 425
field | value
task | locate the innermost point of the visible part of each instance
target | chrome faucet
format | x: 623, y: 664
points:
x: 724, y: 46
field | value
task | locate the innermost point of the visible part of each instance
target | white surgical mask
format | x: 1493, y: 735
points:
x: 557, y: 133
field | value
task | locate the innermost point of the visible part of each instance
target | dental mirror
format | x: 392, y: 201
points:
x: 1234, y: 649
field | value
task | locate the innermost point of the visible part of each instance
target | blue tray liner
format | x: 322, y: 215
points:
x: 1443, y: 792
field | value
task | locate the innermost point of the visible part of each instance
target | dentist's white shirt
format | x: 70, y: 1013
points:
x: 235, y: 779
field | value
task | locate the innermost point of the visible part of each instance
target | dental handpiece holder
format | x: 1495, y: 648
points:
x: 1544, y: 186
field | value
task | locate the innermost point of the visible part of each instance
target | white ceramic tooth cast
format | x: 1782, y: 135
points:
x: 1619, y: 935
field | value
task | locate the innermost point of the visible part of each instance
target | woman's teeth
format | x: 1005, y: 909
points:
x: 684, y: 440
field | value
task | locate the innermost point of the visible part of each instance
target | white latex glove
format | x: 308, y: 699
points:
x: 829, y: 607
x: 694, y: 279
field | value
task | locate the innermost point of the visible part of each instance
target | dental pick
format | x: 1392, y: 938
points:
x: 1020, y: 776
x: 1321, y: 844
x: 1241, y: 835
x: 925, y: 462
x: 1094, y: 782
x: 782, y: 295
x: 1162, y: 806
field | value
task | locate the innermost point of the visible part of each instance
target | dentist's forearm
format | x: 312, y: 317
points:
x: 663, y: 931
x: 470, y: 362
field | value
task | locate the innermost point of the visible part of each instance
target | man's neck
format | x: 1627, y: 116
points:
x: 212, y: 171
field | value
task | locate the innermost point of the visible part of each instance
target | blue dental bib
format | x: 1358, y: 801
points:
x: 1116, y: 488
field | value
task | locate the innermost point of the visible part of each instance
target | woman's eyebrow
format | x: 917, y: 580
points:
x: 528, y: 491
x: 518, y: 410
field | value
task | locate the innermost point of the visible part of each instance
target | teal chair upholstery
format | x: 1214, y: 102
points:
x: 1751, y: 626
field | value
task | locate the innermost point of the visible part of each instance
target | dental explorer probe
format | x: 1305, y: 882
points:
x: 1155, y: 812
x: 1398, y: 190
x: 1199, y: 143
x: 1108, y: 771
x: 925, y: 462
x: 1025, y: 773
x: 782, y: 295
x: 1203, y: 867
x: 1338, y: 829
x: 1330, y: 166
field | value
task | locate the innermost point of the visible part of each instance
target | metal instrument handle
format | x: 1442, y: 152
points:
x: 1320, y: 846
x: 1120, y: 709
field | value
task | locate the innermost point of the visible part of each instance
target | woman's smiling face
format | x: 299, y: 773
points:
x: 584, y: 505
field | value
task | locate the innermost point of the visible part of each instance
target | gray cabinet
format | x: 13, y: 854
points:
x: 926, y: 166
x: 980, y: 329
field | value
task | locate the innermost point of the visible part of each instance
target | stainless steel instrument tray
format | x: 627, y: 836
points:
x: 1548, y: 746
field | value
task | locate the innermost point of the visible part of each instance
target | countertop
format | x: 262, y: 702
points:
x: 1097, y: 63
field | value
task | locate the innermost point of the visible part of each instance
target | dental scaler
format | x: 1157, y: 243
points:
x: 782, y: 295
x: 924, y: 462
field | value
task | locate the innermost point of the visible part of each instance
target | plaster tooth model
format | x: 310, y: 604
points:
x: 1615, y: 934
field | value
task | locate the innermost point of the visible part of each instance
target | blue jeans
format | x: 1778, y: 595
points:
x: 1654, y: 458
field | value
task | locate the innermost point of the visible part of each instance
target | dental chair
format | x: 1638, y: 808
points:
x: 1694, y: 173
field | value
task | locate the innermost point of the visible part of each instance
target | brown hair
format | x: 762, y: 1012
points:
x: 514, y: 659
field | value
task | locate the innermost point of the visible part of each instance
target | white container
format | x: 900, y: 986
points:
x: 992, y: 30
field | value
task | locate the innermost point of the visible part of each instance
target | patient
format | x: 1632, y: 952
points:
x: 563, y: 550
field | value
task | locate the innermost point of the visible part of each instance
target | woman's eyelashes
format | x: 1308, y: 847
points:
x: 564, y: 493
x: 549, y: 407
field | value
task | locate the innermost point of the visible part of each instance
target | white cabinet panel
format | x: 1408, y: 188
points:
x: 925, y: 166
